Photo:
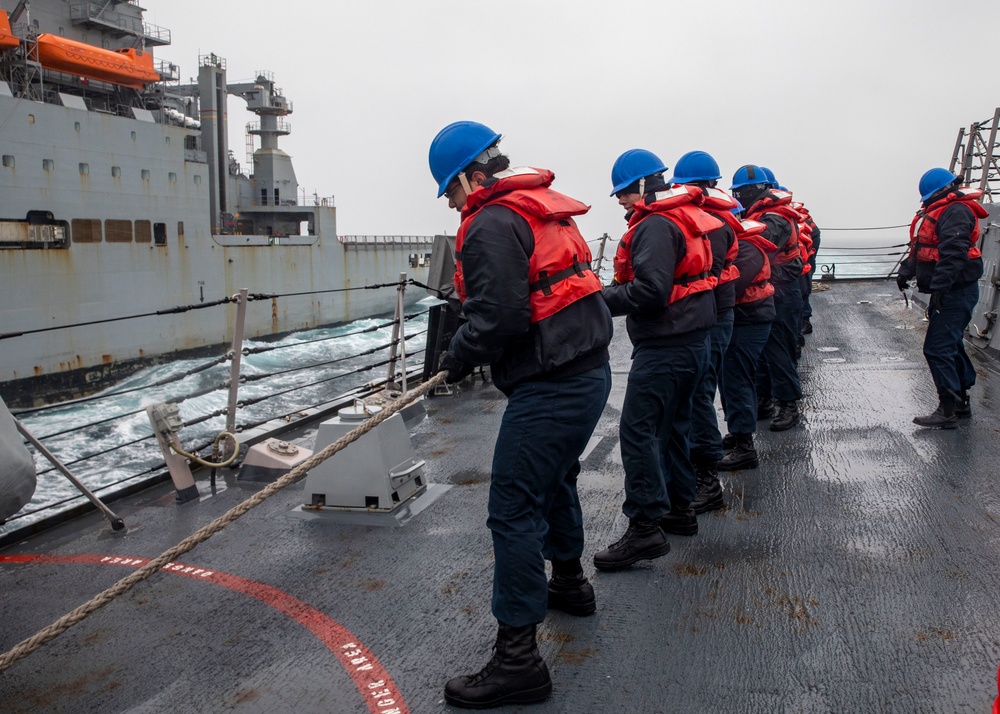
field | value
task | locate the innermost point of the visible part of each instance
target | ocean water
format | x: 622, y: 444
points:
x: 849, y: 266
x: 849, y: 255
x: 107, y: 443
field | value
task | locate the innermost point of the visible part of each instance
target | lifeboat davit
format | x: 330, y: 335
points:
x: 7, y: 37
x: 128, y: 67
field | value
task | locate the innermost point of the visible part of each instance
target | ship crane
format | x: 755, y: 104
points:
x: 272, y: 168
x: 18, y: 10
x: 265, y: 203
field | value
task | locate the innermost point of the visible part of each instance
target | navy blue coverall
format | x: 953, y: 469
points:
x: 556, y: 376
x: 669, y: 358
x: 955, y: 278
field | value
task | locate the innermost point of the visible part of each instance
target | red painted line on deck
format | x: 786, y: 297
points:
x: 372, y: 680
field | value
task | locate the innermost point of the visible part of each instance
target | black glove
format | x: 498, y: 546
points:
x: 934, y: 304
x: 457, y: 369
x: 902, y: 283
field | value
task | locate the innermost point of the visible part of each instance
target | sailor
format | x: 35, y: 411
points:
x: 752, y: 315
x: 663, y: 283
x: 945, y: 260
x: 534, y: 312
x: 778, y: 386
x: 808, y: 275
x: 699, y: 169
x: 809, y: 238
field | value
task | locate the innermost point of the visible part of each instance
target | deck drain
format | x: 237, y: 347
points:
x: 828, y: 349
x: 835, y: 360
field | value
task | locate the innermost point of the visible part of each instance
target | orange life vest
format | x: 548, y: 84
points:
x: 800, y: 207
x: 559, y: 271
x: 680, y: 204
x: 780, y: 203
x: 720, y: 204
x: 923, y: 228
x: 760, y: 287
x: 996, y: 704
x: 806, y: 224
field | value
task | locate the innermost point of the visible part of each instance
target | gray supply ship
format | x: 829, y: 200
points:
x: 119, y: 196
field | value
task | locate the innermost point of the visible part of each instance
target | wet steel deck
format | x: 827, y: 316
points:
x: 857, y: 570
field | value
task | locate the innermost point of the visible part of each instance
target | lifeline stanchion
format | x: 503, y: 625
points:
x: 47, y: 634
x: 237, y: 353
x: 398, y: 337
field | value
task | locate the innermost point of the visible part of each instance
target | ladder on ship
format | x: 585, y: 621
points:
x: 976, y: 157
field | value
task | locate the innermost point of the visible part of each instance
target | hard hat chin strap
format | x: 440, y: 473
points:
x: 642, y: 187
x: 465, y: 183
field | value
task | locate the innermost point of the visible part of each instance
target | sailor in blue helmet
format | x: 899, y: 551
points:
x: 811, y: 232
x: 699, y: 169
x: 945, y: 259
x: 535, y: 313
x: 778, y: 378
x: 663, y: 284
x: 752, y: 318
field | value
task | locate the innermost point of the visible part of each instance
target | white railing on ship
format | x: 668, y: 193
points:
x: 168, y: 71
x: 155, y: 32
x: 385, y: 240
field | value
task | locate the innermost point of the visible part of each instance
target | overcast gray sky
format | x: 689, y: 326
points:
x: 847, y: 101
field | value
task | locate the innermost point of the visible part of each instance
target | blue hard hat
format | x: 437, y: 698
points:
x: 934, y: 180
x: 749, y: 175
x: 770, y: 176
x: 633, y: 165
x: 455, y: 147
x: 696, y: 166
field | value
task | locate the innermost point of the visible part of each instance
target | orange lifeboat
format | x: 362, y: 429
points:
x: 129, y: 67
x: 7, y: 37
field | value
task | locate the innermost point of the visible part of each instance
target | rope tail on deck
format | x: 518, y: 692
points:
x: 47, y: 634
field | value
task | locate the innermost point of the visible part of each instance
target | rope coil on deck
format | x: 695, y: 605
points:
x: 47, y: 634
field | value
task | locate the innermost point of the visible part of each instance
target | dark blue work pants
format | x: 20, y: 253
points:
x: 807, y: 288
x: 534, y: 509
x: 778, y: 376
x: 944, y: 350
x: 706, y: 441
x: 738, y: 383
x: 655, y: 429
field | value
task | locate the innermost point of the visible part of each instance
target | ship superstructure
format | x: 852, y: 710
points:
x: 119, y: 196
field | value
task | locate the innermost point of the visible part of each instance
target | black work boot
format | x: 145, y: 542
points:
x: 681, y: 521
x: 787, y: 416
x: 807, y: 326
x: 766, y: 408
x: 709, y: 496
x: 943, y: 417
x: 515, y: 675
x: 642, y: 541
x: 963, y: 407
x: 743, y: 455
x: 729, y: 441
x: 569, y: 589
